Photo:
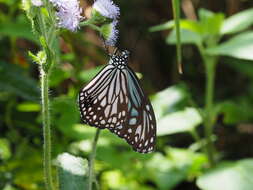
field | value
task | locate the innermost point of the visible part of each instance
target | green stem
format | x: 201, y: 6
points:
x: 210, y: 64
x: 92, y: 158
x: 176, y: 15
x: 46, y: 131
x: 88, y: 23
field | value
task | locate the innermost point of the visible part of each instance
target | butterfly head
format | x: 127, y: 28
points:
x: 120, y: 59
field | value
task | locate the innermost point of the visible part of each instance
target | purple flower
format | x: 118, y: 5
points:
x: 37, y: 3
x: 110, y: 33
x: 107, y: 8
x: 69, y: 13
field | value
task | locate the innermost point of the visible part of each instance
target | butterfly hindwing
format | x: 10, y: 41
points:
x: 139, y: 130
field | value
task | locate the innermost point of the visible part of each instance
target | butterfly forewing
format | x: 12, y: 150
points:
x: 100, y: 102
x: 115, y: 100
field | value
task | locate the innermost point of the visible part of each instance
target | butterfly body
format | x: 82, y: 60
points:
x: 114, y: 100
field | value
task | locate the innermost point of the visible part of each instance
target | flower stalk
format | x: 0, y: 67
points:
x: 91, y: 161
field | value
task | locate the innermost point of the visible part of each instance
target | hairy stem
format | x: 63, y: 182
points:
x: 46, y: 131
x: 92, y: 158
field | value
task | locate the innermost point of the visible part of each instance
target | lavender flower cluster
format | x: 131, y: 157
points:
x: 69, y: 13
x: 109, y: 10
x: 69, y: 16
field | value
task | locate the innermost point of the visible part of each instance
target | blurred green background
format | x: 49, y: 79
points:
x: 178, y: 163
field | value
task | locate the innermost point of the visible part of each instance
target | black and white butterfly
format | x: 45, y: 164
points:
x: 114, y: 100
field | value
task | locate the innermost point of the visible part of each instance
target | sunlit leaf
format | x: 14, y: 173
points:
x: 238, y: 22
x: 177, y: 165
x: 165, y: 26
x: 187, y: 37
x: 240, y: 47
x: 191, y: 25
x: 178, y: 122
x: 166, y: 101
x: 5, y: 152
x: 9, y: 187
x: 72, y: 172
x: 28, y: 107
x: 210, y: 22
x: 228, y: 176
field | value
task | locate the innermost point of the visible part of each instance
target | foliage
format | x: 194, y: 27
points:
x: 179, y: 159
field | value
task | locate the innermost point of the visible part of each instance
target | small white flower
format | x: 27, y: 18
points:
x: 69, y: 13
x: 107, y: 8
x: 37, y: 3
x: 110, y: 33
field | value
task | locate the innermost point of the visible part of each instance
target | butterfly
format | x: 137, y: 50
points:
x: 114, y: 100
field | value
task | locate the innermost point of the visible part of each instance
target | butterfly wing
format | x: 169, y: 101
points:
x: 139, y: 130
x: 103, y: 102
x: 114, y: 100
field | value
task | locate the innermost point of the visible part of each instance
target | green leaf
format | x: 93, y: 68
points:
x: 65, y: 113
x: 210, y: 22
x: 165, y: 26
x: 18, y: 29
x: 187, y: 37
x: 238, y: 22
x: 72, y: 172
x: 240, y: 47
x: 177, y: 165
x: 167, y: 100
x: 228, y: 176
x: 14, y: 80
x: 87, y: 75
x: 178, y: 122
x: 242, y: 66
x: 236, y: 111
x: 5, y: 152
x: 28, y: 107
x: 191, y: 25
x: 9, y: 187
x: 59, y: 74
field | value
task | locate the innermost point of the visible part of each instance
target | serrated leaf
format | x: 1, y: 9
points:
x: 72, y: 172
